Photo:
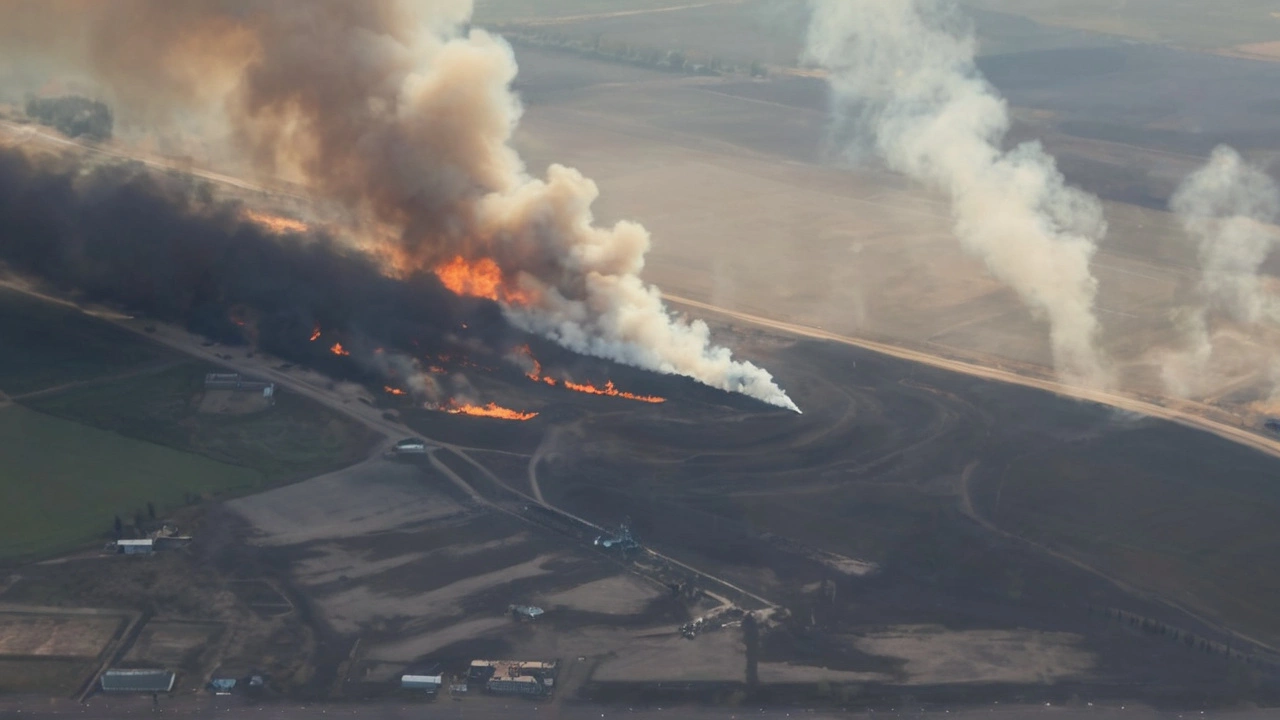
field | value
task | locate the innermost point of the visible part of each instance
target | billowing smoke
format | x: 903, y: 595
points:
x: 1229, y: 208
x: 904, y: 85
x: 405, y: 117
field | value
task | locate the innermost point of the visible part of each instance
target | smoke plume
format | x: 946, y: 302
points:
x: 404, y: 116
x: 1229, y: 208
x: 904, y: 84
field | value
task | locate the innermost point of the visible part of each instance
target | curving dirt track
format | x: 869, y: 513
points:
x: 1189, y: 417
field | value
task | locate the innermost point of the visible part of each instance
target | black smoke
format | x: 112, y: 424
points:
x: 167, y: 247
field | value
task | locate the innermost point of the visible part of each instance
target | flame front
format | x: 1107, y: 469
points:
x: 337, y: 349
x: 481, y: 278
x: 276, y: 223
x: 315, y: 334
x: 535, y: 374
x: 611, y: 391
x: 392, y: 390
x: 492, y: 410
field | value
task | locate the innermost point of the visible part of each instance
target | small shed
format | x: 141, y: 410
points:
x: 428, y: 683
x: 136, y: 547
x: 141, y: 681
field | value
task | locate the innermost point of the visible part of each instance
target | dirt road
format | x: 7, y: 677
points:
x: 1126, y: 403
x: 566, y: 19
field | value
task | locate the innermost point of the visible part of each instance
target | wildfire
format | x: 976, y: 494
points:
x: 535, y: 374
x: 482, y: 278
x: 393, y: 390
x: 315, y: 334
x: 337, y: 349
x: 611, y: 391
x: 492, y: 410
x: 276, y: 223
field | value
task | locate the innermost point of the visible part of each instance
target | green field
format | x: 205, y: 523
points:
x: 64, y: 482
x: 105, y: 421
x: 294, y: 439
x: 44, y: 344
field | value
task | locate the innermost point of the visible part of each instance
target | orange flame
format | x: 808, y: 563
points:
x: 536, y: 375
x: 315, y: 334
x: 482, y: 278
x: 492, y: 410
x: 337, y: 349
x: 392, y: 390
x: 611, y: 391
x: 276, y: 223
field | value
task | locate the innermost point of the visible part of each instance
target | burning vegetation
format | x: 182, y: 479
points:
x: 535, y: 373
x: 492, y: 410
x: 337, y: 349
x: 611, y: 391
x: 399, y: 114
x: 481, y: 278
x: 275, y: 223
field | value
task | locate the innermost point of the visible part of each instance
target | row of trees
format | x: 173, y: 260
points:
x: 1191, y: 640
x: 693, y: 63
x: 139, y: 521
x: 73, y: 116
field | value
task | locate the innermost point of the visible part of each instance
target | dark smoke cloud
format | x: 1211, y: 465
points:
x: 167, y: 247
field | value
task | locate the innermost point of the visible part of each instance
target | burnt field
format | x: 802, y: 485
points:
x: 914, y: 534
x: 984, y: 508
x: 915, y: 537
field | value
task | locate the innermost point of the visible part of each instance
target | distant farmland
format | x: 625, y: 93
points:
x: 104, y: 421
x: 295, y: 439
x: 65, y: 482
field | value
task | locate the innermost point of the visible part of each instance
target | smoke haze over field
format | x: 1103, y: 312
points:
x: 904, y: 84
x: 1229, y: 208
x: 404, y: 117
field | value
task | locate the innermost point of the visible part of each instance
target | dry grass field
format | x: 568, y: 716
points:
x: 56, y: 635
x: 749, y: 212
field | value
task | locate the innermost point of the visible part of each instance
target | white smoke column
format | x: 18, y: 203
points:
x: 607, y: 310
x: 1229, y: 208
x: 902, y: 75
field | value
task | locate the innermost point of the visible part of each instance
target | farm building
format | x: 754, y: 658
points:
x: 136, y: 547
x: 143, y: 681
x: 510, y: 677
x: 428, y: 683
x: 519, y: 685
